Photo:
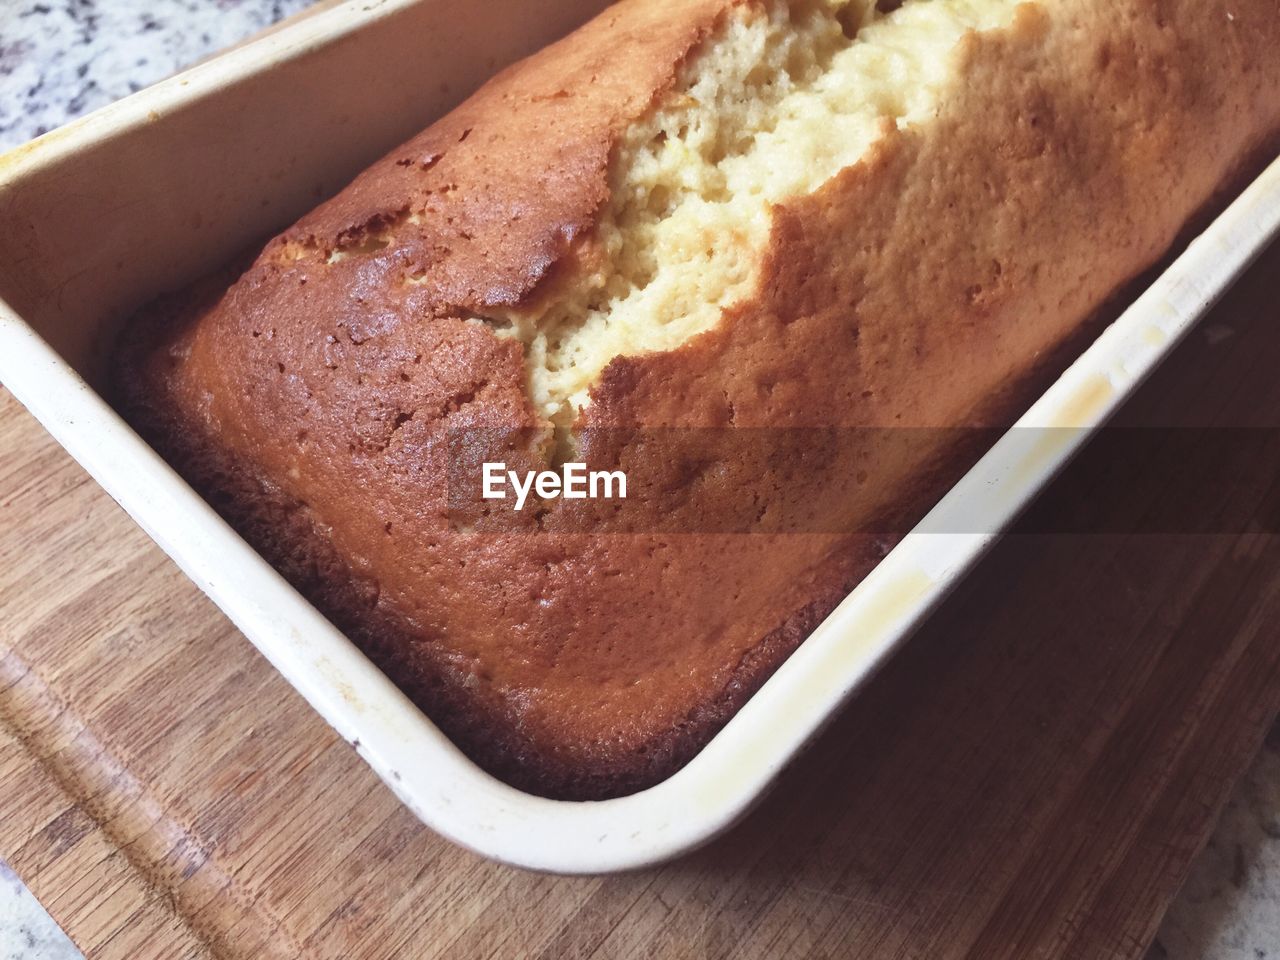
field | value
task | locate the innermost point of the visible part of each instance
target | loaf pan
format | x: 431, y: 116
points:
x: 141, y: 197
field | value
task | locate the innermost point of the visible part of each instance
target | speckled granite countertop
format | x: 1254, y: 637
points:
x: 62, y: 58
x: 1229, y: 908
x: 26, y: 931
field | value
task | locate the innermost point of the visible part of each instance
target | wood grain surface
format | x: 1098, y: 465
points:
x: 1029, y: 778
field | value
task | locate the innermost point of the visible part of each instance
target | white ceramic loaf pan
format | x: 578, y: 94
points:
x: 139, y: 198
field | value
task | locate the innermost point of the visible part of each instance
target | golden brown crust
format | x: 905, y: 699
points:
x: 918, y: 288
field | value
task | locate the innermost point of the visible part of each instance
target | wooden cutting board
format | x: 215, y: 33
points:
x: 1029, y: 778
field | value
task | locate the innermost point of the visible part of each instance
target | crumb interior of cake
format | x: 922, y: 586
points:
x: 778, y: 101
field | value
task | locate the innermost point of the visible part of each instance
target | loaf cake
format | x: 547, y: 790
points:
x: 735, y: 250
